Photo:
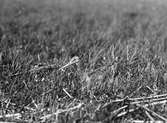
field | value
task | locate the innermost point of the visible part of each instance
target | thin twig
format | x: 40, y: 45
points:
x: 125, y: 112
x: 158, y: 100
x: 150, y: 89
x: 147, y: 98
x: 155, y: 114
x: 115, y: 101
x: 120, y: 109
x: 149, y: 116
x: 67, y: 93
x: 155, y: 103
x: 61, y: 111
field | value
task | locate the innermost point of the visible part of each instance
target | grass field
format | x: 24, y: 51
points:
x: 82, y: 61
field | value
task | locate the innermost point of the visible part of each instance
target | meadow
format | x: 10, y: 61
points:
x: 82, y: 61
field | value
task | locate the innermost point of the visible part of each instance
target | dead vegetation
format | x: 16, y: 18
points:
x: 86, y: 62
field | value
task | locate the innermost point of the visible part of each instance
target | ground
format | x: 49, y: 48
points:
x: 83, y: 61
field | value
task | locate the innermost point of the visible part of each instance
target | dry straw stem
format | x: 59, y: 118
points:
x: 155, y: 103
x: 152, y: 112
x: 115, y: 101
x: 115, y: 112
x: 149, y: 116
x: 151, y: 101
x: 148, y: 98
x: 147, y: 111
x: 142, y: 121
x: 67, y: 93
x: 62, y: 111
x: 125, y: 112
x: 144, y: 102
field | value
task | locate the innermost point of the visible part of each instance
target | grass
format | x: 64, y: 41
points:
x: 83, y: 61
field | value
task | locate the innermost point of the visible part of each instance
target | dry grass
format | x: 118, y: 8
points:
x: 83, y: 61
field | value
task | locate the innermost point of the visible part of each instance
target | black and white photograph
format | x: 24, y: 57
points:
x: 83, y: 61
